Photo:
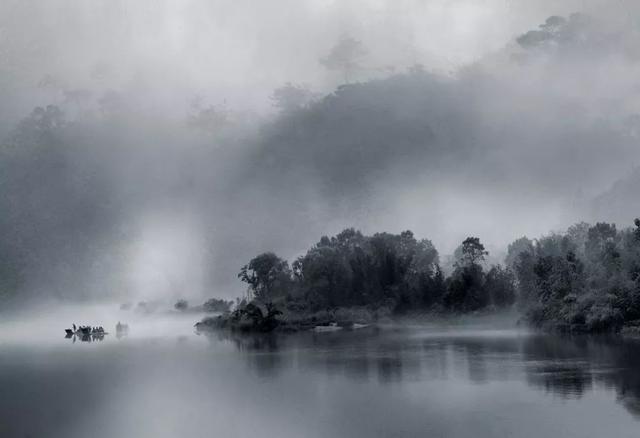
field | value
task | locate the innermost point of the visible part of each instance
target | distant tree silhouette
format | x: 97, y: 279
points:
x: 291, y: 97
x: 345, y: 57
x: 585, y: 279
x: 181, y: 305
x: 392, y: 271
x: 473, y: 252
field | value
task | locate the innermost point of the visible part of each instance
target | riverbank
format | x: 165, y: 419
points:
x: 359, y: 317
x: 353, y: 318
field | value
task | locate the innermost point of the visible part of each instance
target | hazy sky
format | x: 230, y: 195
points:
x: 544, y: 133
x: 238, y: 50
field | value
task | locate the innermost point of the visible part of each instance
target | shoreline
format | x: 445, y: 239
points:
x: 508, y: 319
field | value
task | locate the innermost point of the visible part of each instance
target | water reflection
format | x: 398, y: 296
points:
x: 570, y: 367
x: 85, y: 337
x: 370, y: 382
x: 561, y: 366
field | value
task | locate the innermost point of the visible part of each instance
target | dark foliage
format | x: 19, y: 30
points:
x: 267, y: 275
x: 584, y: 280
x: 181, y: 305
x: 393, y: 271
x: 469, y: 288
x: 217, y: 305
x: 248, y: 317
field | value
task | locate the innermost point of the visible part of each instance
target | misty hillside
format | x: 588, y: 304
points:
x: 533, y: 124
x: 96, y: 185
x: 498, y: 122
x: 620, y: 200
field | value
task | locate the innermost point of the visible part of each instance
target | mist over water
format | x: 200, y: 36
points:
x: 162, y: 380
x: 150, y: 150
x: 36, y: 327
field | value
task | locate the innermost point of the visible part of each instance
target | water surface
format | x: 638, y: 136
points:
x: 163, y: 380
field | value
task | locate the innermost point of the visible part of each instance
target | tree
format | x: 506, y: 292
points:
x: 465, y: 289
x: 181, y: 305
x: 500, y: 285
x: 267, y: 276
x: 435, y: 289
x: 525, y: 277
x: 345, y: 56
x: 516, y: 248
x: 473, y: 252
x: 254, y: 317
x: 600, y: 250
x: 217, y: 305
x: 291, y: 97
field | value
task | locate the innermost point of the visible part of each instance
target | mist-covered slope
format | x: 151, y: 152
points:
x: 113, y: 195
x: 543, y: 124
x: 620, y: 200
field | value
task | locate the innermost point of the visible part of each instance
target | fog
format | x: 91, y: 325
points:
x: 162, y: 160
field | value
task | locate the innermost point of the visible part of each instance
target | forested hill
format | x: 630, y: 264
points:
x: 488, y: 123
x: 97, y: 182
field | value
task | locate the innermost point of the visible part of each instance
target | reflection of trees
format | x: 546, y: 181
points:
x: 263, y: 351
x: 557, y: 366
x: 481, y: 359
x: 567, y: 381
x: 569, y: 367
x: 564, y: 366
x: 389, y: 368
x: 93, y: 337
x: 625, y: 376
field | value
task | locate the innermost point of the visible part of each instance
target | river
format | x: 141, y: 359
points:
x: 164, y: 380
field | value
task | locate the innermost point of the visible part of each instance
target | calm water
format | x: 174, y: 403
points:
x: 165, y: 381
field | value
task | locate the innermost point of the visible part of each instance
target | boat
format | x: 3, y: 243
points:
x: 332, y: 327
x: 85, y: 333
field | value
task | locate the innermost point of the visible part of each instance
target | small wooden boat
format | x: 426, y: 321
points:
x: 68, y: 331
x: 332, y: 327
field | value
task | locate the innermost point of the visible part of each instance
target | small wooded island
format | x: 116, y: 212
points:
x: 586, y: 279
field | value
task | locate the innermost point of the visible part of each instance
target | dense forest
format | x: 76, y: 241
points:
x: 395, y: 271
x: 583, y: 280
x: 587, y: 278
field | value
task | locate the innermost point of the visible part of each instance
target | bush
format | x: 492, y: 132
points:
x: 181, y: 305
x: 217, y: 305
x: 604, y: 319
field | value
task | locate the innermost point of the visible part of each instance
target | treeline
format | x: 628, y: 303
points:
x: 395, y: 272
x: 586, y: 279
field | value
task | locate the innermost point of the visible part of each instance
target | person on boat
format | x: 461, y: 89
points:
x: 74, y: 327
